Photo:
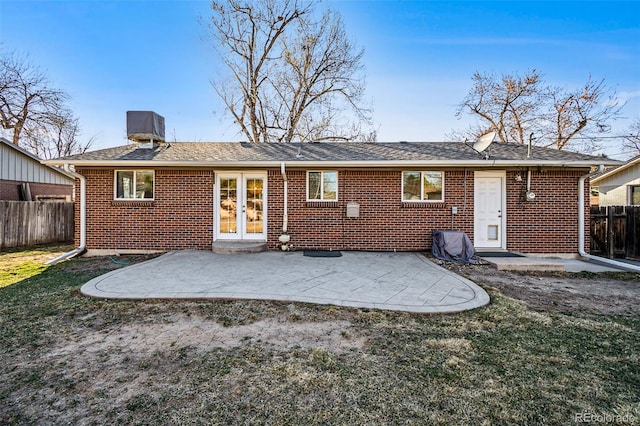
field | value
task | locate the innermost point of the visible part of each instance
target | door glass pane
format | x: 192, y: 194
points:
x: 492, y: 233
x: 255, y: 208
x: 228, y: 206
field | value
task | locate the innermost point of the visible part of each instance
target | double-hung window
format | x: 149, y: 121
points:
x: 134, y: 184
x: 322, y: 186
x: 423, y: 186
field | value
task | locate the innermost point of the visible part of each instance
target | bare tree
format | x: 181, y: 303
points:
x: 507, y: 105
x: 472, y: 132
x: 292, y: 76
x: 515, y: 106
x: 632, y: 140
x: 36, y: 112
x: 58, y: 137
x: 587, y: 112
x: 26, y: 99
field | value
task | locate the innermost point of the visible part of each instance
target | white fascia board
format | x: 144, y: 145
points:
x: 439, y: 163
x: 331, y: 164
x: 616, y: 170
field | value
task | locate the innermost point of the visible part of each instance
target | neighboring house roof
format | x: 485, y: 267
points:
x: 353, y: 154
x: 21, y: 165
x: 599, y: 173
x: 612, y: 172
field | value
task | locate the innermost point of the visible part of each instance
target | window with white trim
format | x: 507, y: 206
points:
x: 423, y: 186
x: 134, y: 184
x: 634, y: 195
x: 322, y: 186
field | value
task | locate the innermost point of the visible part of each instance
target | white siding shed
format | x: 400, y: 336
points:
x: 16, y: 164
x: 621, y: 186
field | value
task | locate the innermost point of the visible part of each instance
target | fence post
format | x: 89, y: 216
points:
x: 610, y: 233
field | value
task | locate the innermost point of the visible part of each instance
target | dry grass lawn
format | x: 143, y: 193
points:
x: 68, y: 359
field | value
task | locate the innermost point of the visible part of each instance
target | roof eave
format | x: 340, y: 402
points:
x: 325, y: 164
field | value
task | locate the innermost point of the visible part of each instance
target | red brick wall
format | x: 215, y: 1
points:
x: 549, y: 224
x: 385, y: 223
x: 181, y: 216
x: 9, y: 189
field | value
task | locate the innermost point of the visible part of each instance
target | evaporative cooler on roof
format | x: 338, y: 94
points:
x: 145, y: 126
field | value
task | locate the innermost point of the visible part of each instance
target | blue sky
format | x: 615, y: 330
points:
x: 114, y: 56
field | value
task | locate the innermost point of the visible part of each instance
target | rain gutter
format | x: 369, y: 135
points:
x: 330, y: 163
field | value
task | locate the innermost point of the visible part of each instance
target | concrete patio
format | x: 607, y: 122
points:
x: 391, y: 281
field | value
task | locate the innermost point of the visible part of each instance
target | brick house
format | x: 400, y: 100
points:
x: 340, y: 196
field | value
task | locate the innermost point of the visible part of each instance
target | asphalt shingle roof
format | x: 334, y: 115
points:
x: 215, y: 152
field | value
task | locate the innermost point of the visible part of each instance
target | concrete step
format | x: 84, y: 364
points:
x: 238, y: 247
x: 524, y: 263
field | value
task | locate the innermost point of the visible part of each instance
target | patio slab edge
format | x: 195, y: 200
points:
x: 100, y: 287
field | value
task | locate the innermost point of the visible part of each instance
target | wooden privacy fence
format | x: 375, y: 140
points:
x: 25, y: 223
x: 615, y: 231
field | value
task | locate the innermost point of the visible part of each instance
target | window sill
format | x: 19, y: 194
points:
x: 132, y: 203
x: 322, y: 204
x: 423, y: 205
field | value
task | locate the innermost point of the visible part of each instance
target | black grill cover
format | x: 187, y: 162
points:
x: 453, y: 246
x: 145, y: 126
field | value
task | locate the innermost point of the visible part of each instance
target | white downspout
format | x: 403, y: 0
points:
x: 83, y: 219
x: 285, y: 217
x: 581, y: 251
x: 284, y: 238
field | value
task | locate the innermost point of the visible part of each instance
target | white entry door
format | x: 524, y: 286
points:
x: 241, y: 202
x: 489, y: 210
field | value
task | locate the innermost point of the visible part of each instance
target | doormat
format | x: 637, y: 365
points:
x: 497, y: 254
x: 322, y: 253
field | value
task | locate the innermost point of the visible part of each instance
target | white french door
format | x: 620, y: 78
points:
x: 241, y: 202
x: 489, y: 210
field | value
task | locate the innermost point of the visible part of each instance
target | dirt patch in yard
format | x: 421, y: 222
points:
x: 203, y: 334
x: 561, y: 292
